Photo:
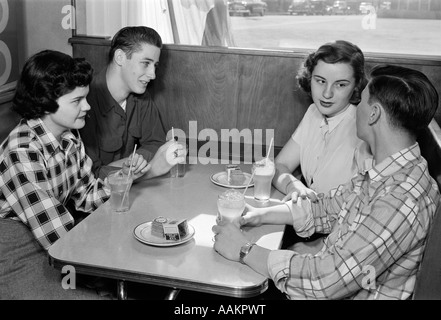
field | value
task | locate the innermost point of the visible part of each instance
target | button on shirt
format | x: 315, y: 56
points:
x: 110, y: 133
x: 378, y: 224
x: 38, y: 175
x: 330, y: 151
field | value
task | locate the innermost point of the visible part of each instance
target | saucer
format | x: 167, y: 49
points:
x: 143, y: 233
x: 221, y: 179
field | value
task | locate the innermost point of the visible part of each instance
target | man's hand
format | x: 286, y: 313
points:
x: 167, y: 156
x: 228, y: 239
x: 138, y: 166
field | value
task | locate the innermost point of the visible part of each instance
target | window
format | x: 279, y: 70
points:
x: 396, y: 26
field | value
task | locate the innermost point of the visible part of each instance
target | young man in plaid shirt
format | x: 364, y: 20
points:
x: 377, y: 223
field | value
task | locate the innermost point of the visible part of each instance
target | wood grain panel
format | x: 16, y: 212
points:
x: 193, y: 86
x: 96, y: 54
x: 269, y: 97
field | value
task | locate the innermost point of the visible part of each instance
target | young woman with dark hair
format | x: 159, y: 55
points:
x: 43, y: 165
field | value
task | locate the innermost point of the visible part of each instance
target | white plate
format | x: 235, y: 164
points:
x: 143, y: 233
x: 221, y: 179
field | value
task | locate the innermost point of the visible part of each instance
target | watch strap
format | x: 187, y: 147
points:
x: 244, y: 250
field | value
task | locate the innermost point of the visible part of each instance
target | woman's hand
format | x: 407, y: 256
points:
x: 296, y: 189
x: 252, y: 217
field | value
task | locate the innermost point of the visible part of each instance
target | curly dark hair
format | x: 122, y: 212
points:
x: 130, y: 39
x: 46, y: 76
x: 339, y: 51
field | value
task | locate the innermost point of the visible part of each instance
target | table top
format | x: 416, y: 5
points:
x: 103, y: 244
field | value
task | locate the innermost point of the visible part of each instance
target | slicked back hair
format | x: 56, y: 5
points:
x: 407, y: 95
x: 130, y: 40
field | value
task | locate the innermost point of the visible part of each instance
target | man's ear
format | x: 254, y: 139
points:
x: 375, y: 113
x: 119, y: 56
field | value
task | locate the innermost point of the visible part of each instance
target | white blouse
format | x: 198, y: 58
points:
x: 330, y: 151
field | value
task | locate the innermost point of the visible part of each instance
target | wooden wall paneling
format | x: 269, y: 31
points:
x: 194, y: 86
x: 269, y: 95
x: 95, y: 52
x: 430, y: 144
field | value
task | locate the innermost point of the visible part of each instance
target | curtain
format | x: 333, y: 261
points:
x: 106, y: 17
x: 192, y: 22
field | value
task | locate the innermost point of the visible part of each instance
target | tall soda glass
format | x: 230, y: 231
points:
x: 264, y: 171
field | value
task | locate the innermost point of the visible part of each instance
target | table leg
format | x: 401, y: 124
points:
x: 172, y: 294
x: 121, y: 290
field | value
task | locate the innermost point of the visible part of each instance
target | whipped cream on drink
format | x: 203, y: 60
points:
x: 264, y: 167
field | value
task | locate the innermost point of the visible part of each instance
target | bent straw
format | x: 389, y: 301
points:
x: 130, y: 173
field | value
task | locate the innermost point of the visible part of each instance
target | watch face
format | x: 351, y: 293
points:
x: 244, y: 251
x: 245, y: 248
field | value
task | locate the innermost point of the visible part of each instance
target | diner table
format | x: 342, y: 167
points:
x: 104, y: 243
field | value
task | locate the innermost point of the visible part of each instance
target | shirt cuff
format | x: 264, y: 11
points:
x: 279, y: 264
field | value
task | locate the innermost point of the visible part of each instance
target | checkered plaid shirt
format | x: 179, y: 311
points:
x: 38, y: 175
x: 377, y: 225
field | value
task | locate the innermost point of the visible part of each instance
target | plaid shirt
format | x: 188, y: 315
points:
x: 38, y: 175
x: 378, y: 223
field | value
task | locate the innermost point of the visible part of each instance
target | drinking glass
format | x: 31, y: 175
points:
x: 230, y: 205
x: 264, y: 171
x: 120, y: 184
x: 178, y: 170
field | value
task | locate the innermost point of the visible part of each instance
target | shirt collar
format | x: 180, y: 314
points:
x: 393, y: 163
x: 103, y: 92
x: 104, y: 95
x: 333, y: 122
x: 48, y: 139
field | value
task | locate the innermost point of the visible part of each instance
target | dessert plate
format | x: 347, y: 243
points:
x: 221, y: 179
x: 143, y: 233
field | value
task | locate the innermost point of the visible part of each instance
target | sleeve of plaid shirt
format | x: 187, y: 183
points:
x: 89, y: 192
x: 31, y: 196
x: 387, y: 229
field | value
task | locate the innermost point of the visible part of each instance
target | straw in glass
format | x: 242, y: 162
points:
x: 130, y: 173
x: 249, y: 182
x: 269, y: 149
x: 252, y: 175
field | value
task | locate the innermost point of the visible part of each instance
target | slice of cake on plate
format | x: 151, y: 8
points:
x: 169, y: 229
x: 235, y: 176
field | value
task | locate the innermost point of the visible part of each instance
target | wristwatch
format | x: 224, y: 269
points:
x: 246, y: 248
